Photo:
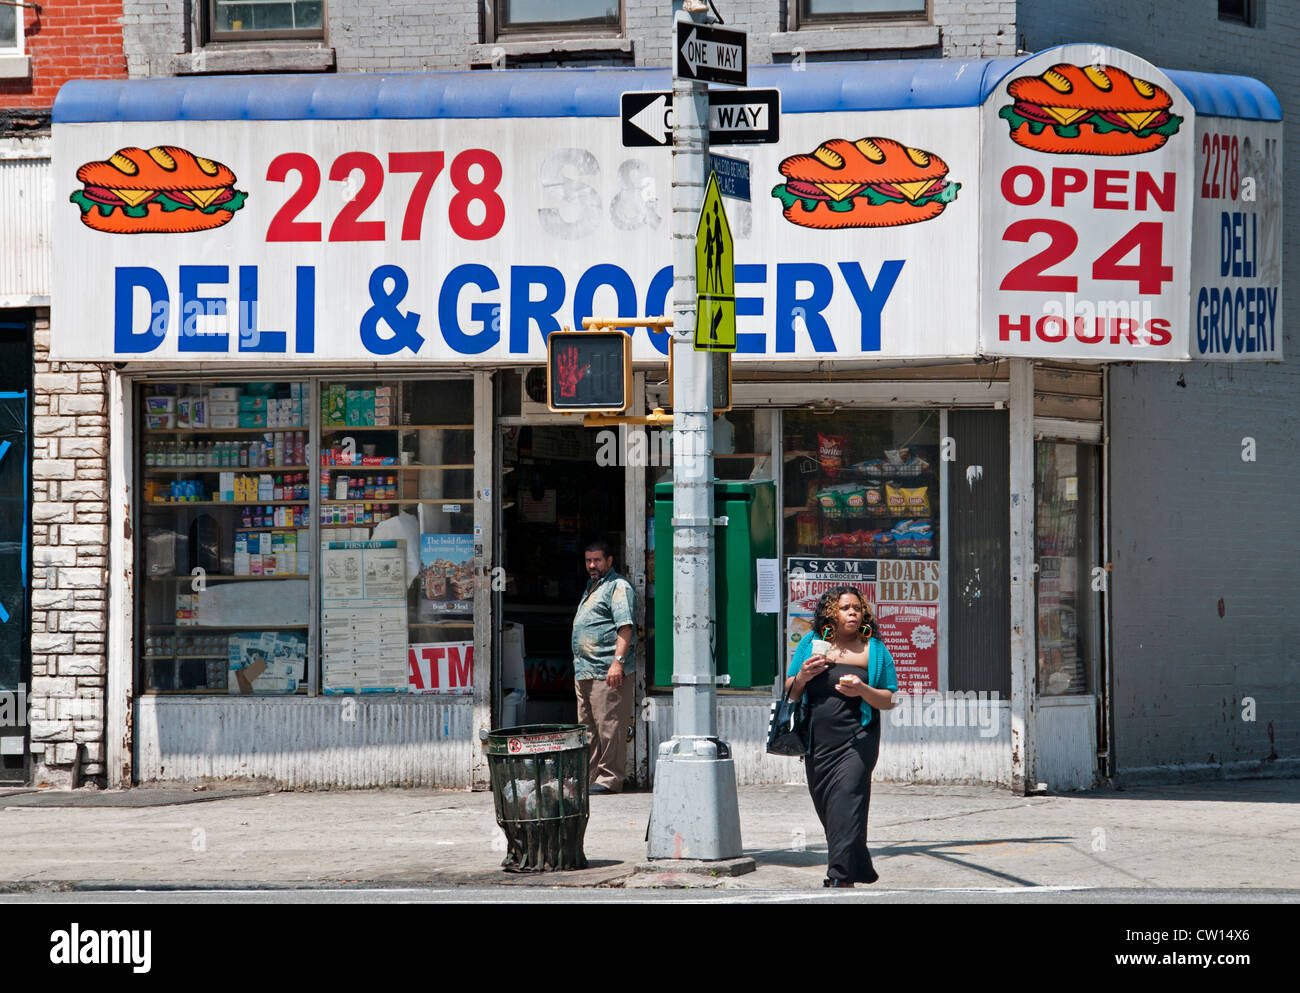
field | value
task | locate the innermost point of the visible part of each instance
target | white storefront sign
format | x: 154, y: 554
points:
x: 1088, y: 209
x: 1026, y: 226
x: 1236, y: 292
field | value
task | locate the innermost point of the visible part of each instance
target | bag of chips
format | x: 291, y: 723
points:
x: 916, y: 500
x: 830, y: 451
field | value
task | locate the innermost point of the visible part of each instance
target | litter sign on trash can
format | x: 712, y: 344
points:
x: 539, y: 789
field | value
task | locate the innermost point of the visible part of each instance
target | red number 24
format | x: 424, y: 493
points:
x: 1030, y: 276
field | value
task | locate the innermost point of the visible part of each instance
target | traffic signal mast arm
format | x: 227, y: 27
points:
x: 657, y: 418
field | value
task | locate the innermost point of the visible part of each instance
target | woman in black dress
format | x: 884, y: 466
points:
x: 848, y: 684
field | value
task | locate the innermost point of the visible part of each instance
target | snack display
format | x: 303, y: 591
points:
x: 881, y: 507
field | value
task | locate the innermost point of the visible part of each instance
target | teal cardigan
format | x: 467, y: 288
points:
x: 880, y: 668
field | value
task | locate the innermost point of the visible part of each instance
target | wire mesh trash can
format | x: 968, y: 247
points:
x: 539, y: 788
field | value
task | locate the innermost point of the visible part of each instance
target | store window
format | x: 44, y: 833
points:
x: 528, y: 16
x: 831, y: 11
x: 861, y: 505
x: 397, y: 479
x: 1066, y: 530
x: 225, y: 504
x: 248, y: 20
x: 862, y: 484
x: 236, y: 597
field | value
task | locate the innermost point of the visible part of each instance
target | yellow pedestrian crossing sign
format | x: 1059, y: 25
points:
x: 715, y: 276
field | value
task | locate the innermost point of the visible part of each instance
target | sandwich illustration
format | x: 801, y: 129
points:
x: 868, y: 183
x: 1089, y: 110
x: 162, y: 190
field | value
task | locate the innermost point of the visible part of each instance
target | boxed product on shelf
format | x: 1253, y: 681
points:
x: 359, y: 407
x: 160, y: 405
x: 223, y: 421
x: 191, y: 412
x: 224, y: 394
x: 333, y: 401
x: 160, y: 422
x: 303, y: 548
x: 252, y: 403
x: 187, y: 609
x: 223, y: 408
x: 252, y: 418
x: 284, y: 548
x: 242, y: 561
x: 226, y: 486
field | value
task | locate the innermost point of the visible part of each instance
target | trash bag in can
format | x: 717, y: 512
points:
x: 539, y: 788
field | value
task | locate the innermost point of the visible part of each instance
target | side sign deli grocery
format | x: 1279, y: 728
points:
x: 472, y: 239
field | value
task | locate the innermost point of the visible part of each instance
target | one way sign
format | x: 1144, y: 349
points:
x: 711, y: 55
x: 736, y: 117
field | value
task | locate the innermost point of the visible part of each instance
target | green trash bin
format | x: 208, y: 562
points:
x: 539, y: 788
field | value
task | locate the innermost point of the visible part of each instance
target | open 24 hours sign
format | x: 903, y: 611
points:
x: 1087, y: 218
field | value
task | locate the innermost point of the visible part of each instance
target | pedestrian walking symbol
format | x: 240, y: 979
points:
x: 715, y: 275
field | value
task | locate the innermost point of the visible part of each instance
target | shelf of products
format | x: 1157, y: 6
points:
x: 231, y: 475
x: 883, y: 506
x: 333, y: 429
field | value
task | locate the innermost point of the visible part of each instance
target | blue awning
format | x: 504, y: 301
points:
x: 810, y: 88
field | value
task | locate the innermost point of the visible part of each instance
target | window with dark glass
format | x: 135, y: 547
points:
x: 854, y: 10
x: 246, y: 20
x: 1241, y: 11
x: 1066, y: 542
x: 10, y: 35
x: 545, y: 15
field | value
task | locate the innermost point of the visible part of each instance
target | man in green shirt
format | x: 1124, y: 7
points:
x: 604, y: 631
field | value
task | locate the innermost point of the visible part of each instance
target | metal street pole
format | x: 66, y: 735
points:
x: 694, y: 814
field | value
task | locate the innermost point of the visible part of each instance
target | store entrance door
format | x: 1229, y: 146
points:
x: 555, y: 498
x: 15, y: 502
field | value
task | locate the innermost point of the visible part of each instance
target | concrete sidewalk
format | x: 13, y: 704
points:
x: 1242, y: 834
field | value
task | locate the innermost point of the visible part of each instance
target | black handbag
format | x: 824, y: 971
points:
x: 787, y: 731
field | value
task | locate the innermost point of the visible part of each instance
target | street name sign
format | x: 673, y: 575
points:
x: 736, y: 117
x: 711, y: 55
x: 733, y: 176
x: 715, y: 275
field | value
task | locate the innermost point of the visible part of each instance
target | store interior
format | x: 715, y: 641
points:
x: 556, y: 498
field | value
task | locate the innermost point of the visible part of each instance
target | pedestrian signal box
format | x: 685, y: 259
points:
x: 588, y: 372
x: 721, y: 362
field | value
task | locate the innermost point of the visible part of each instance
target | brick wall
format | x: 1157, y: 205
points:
x: 1192, y: 524
x: 68, y: 39
x: 69, y: 567
x: 153, y: 31
x: 379, y: 36
x: 983, y: 29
